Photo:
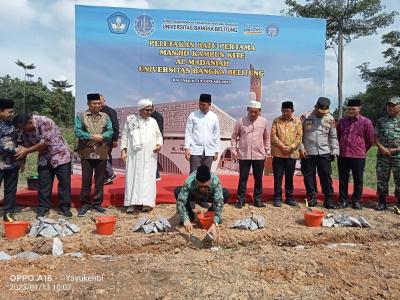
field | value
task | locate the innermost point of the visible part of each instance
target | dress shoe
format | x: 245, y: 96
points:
x: 146, y: 208
x: 277, y: 202
x: 83, y: 210
x: 356, y: 205
x: 291, y: 202
x: 343, y: 204
x: 239, y: 204
x: 42, y: 213
x: 381, y: 204
x: 99, y: 209
x: 259, y: 204
x: 313, y: 202
x: 110, y: 180
x: 9, y: 217
x: 66, y: 212
x: 328, y: 203
x: 130, y: 209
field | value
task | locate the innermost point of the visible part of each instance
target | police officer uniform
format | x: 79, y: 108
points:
x: 387, y: 134
x: 320, y: 146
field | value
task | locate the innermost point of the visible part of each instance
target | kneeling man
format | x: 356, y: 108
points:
x: 201, y: 186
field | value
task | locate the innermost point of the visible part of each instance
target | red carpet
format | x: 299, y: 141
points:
x: 114, y: 193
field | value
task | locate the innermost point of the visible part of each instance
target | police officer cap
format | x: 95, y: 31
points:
x: 323, y: 105
x: 354, y: 102
x: 287, y: 104
x: 6, y: 103
x: 203, y: 173
x: 205, y: 98
x: 94, y: 96
x: 394, y: 100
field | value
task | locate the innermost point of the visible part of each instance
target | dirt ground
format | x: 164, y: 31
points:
x: 285, y: 260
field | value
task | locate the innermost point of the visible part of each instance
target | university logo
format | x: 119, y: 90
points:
x: 272, y: 30
x: 118, y: 23
x: 250, y: 29
x: 144, y: 25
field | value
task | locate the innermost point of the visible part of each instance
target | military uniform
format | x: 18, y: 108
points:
x: 387, y: 130
x: 321, y: 144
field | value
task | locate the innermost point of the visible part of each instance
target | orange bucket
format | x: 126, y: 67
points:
x: 15, y: 229
x: 206, y: 219
x: 105, y: 225
x: 313, y: 218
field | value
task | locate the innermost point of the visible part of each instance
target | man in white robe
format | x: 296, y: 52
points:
x: 140, y: 143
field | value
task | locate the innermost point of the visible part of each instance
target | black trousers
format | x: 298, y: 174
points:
x: 10, y: 177
x: 244, y: 170
x: 323, y: 165
x: 283, y: 166
x: 302, y: 167
x: 192, y: 200
x: 45, y: 185
x: 88, y: 167
x: 109, y: 172
x: 356, y: 166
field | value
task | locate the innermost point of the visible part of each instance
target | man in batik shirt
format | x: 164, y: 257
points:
x: 41, y: 134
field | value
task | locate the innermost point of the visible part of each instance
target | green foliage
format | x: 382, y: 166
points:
x: 30, y: 167
x: 57, y: 103
x: 345, y: 20
x: 354, y: 19
x: 382, y: 82
x: 69, y: 137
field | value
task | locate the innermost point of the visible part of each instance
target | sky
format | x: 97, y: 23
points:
x: 42, y: 32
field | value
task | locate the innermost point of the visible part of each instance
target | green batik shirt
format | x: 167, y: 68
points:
x: 214, y: 193
x: 387, y: 130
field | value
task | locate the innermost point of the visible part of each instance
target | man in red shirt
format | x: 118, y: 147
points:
x: 356, y: 136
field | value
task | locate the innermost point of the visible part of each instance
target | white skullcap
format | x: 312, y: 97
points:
x: 254, y: 104
x: 143, y: 103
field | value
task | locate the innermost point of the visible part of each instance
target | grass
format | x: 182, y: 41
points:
x: 369, y: 173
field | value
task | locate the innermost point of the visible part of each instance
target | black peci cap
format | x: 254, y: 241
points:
x: 205, y: 98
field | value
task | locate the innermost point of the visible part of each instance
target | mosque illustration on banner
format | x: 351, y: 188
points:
x: 171, y: 158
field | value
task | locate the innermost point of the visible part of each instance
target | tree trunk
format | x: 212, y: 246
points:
x: 24, y: 102
x: 340, y: 74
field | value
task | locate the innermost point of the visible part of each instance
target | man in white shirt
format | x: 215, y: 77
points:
x: 202, y: 141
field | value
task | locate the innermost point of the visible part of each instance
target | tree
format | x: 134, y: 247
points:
x: 30, y: 76
x: 62, y: 101
x: 346, y: 20
x: 25, y: 67
x: 56, y: 103
x: 60, y: 84
x: 382, y: 82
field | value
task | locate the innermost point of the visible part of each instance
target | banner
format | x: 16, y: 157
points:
x: 172, y: 57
